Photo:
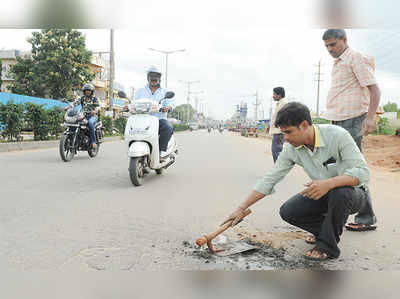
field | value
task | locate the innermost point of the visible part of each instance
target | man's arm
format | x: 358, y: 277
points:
x: 316, y: 189
x: 238, y: 215
x: 375, y: 94
x: 356, y: 172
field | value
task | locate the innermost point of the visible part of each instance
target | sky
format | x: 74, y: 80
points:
x: 233, y: 49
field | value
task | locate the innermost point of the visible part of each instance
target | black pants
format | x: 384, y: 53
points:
x: 325, y: 218
x: 165, y: 131
x: 277, y: 145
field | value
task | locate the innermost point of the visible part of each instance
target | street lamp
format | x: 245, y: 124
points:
x: 166, y: 61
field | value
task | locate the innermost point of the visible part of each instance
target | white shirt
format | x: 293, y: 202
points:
x: 278, y: 106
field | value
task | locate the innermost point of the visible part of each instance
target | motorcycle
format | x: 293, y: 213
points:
x: 76, y: 136
x: 141, y: 138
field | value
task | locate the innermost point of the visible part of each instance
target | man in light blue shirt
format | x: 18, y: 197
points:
x: 153, y: 91
x: 339, y: 175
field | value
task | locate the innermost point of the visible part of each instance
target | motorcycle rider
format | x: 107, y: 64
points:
x: 154, y: 91
x: 91, y: 107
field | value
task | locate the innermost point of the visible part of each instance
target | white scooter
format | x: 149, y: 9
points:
x: 141, y: 138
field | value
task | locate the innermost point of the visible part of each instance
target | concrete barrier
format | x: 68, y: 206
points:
x: 30, y: 145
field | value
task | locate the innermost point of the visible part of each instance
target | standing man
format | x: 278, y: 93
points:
x: 277, y: 136
x: 352, y: 101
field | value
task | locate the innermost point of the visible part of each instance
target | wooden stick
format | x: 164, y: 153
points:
x: 203, y: 240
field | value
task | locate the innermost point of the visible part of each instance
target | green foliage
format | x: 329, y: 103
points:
x: 54, y: 120
x: 120, y: 124
x: 181, y: 112
x: 318, y: 121
x: 107, y: 124
x: 180, y: 127
x: 11, y: 119
x: 390, y: 107
x: 37, y: 119
x: 59, y: 64
x: 384, y: 127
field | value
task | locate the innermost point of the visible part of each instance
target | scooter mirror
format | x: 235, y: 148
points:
x: 169, y: 95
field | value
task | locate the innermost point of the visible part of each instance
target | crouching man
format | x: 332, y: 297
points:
x: 339, y: 180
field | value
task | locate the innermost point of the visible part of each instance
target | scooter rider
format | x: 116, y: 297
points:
x: 91, y: 107
x: 153, y: 91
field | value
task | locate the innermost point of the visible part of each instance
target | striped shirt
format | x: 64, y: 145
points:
x: 349, y: 96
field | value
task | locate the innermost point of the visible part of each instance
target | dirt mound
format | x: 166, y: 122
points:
x: 382, y: 151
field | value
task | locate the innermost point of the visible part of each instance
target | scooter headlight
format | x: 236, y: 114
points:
x: 142, y: 107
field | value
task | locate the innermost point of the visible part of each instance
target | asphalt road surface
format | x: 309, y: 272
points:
x: 86, y: 214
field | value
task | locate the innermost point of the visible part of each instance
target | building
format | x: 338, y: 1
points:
x: 98, y: 65
x: 9, y: 58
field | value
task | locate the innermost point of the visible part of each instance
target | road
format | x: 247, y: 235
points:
x: 86, y: 214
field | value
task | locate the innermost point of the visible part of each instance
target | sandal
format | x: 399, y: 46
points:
x: 323, y: 255
x: 311, y: 239
x: 358, y: 227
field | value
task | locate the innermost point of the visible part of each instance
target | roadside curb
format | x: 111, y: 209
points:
x: 30, y: 145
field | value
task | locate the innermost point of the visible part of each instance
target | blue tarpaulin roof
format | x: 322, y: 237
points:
x: 6, y: 97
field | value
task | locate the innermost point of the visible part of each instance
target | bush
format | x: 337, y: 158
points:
x: 384, y: 127
x: 37, y: 119
x: 180, y: 127
x: 319, y: 121
x: 120, y: 124
x: 11, y: 120
x: 55, y: 118
x: 107, y: 124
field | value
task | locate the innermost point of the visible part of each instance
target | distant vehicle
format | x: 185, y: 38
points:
x: 193, y: 126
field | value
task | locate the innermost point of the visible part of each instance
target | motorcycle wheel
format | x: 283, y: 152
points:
x: 66, y: 151
x: 136, y: 166
x: 93, y: 151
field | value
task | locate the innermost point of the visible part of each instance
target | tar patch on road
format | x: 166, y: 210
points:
x: 265, y: 258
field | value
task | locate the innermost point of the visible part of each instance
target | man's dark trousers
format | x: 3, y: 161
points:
x: 277, y: 145
x: 165, y: 131
x: 325, y: 218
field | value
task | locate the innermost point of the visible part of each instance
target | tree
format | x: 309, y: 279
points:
x: 390, y: 107
x: 181, y: 112
x: 59, y: 64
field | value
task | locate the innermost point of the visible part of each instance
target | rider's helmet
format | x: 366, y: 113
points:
x: 153, y: 71
x: 88, y: 87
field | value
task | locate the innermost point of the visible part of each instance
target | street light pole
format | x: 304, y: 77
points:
x: 166, y: 61
x: 111, y: 69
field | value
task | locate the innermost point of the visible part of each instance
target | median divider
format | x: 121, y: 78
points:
x: 30, y: 145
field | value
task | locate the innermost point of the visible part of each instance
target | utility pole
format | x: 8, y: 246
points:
x: 319, y: 79
x: 111, y: 91
x: 189, y: 83
x: 256, y: 104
